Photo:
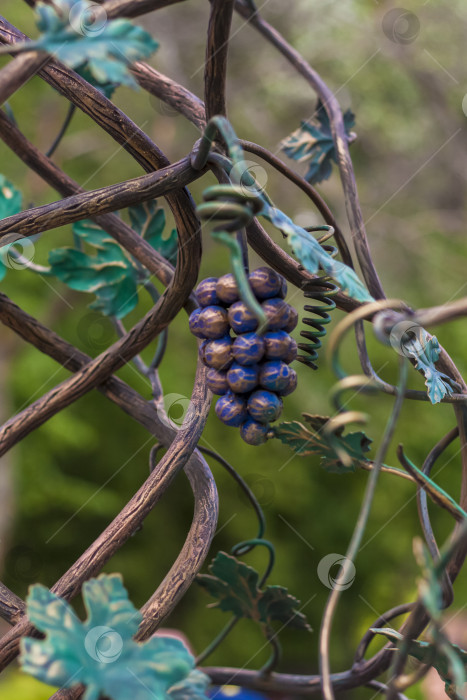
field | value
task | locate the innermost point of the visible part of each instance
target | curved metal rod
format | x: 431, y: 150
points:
x: 172, y: 93
x: 11, y: 605
x: 308, y: 189
x: 134, y: 8
x: 243, y: 485
x: 63, y: 129
x: 369, y: 371
x: 423, y: 512
x: 146, y: 414
x: 382, y: 688
x: 18, y: 71
x: 334, y: 112
x: 116, y: 355
x: 436, y: 493
x: 66, y: 186
x: 381, y: 621
x: 113, y: 121
x: 442, y: 314
x: 326, y: 626
x: 129, y: 519
x: 190, y: 106
x: 212, y: 646
x: 101, y: 201
x: 215, y: 64
x: 366, y: 312
x: 177, y: 293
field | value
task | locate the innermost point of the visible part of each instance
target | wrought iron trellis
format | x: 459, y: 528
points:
x: 170, y: 180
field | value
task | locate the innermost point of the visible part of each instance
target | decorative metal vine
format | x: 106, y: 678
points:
x: 114, y: 261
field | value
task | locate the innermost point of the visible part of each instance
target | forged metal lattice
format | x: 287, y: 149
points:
x: 220, y: 151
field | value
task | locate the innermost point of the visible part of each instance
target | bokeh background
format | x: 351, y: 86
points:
x: 405, y: 78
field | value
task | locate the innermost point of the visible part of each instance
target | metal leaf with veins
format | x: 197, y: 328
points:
x: 106, y: 51
x: 316, y: 441
x: 149, y: 221
x: 235, y: 586
x: 111, y: 274
x: 426, y: 351
x: 100, y: 652
x: 312, y: 143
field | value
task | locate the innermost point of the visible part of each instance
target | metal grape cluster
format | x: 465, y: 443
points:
x: 251, y: 372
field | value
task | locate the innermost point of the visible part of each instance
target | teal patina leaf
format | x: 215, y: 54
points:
x: 110, y: 273
x: 317, y: 441
x: 101, y: 652
x: 10, y: 204
x: 312, y: 143
x: 193, y: 687
x: 235, y: 586
x: 426, y: 351
x: 106, y: 88
x: 106, y: 48
x: 312, y: 256
x: 148, y: 220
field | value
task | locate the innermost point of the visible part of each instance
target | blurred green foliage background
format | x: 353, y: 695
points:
x: 65, y: 482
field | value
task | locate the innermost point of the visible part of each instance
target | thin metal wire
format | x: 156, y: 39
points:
x: 62, y: 132
x: 356, y: 539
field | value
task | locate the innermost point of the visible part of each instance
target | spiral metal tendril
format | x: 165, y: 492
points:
x: 323, y: 292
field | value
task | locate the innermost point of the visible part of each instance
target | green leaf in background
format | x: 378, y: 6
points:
x: 426, y: 351
x: 10, y: 203
x: 100, y: 652
x: 110, y: 274
x: 429, y: 653
x: 235, y: 586
x: 148, y: 220
x: 78, y: 38
x: 317, y: 442
x: 312, y: 143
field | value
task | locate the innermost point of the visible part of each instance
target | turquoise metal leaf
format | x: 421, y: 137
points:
x: 106, y: 88
x: 110, y: 273
x: 312, y: 256
x: 106, y: 51
x: 10, y: 203
x: 426, y: 351
x: 148, y: 220
x: 193, y: 687
x: 100, y: 652
x: 312, y: 142
x: 236, y: 588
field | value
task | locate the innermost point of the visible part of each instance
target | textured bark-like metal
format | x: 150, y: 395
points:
x: 102, y: 201
x: 217, y: 47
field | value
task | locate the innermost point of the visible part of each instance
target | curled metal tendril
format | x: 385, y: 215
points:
x: 239, y: 549
x: 236, y: 207
x: 323, y: 292
x: 235, y: 204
